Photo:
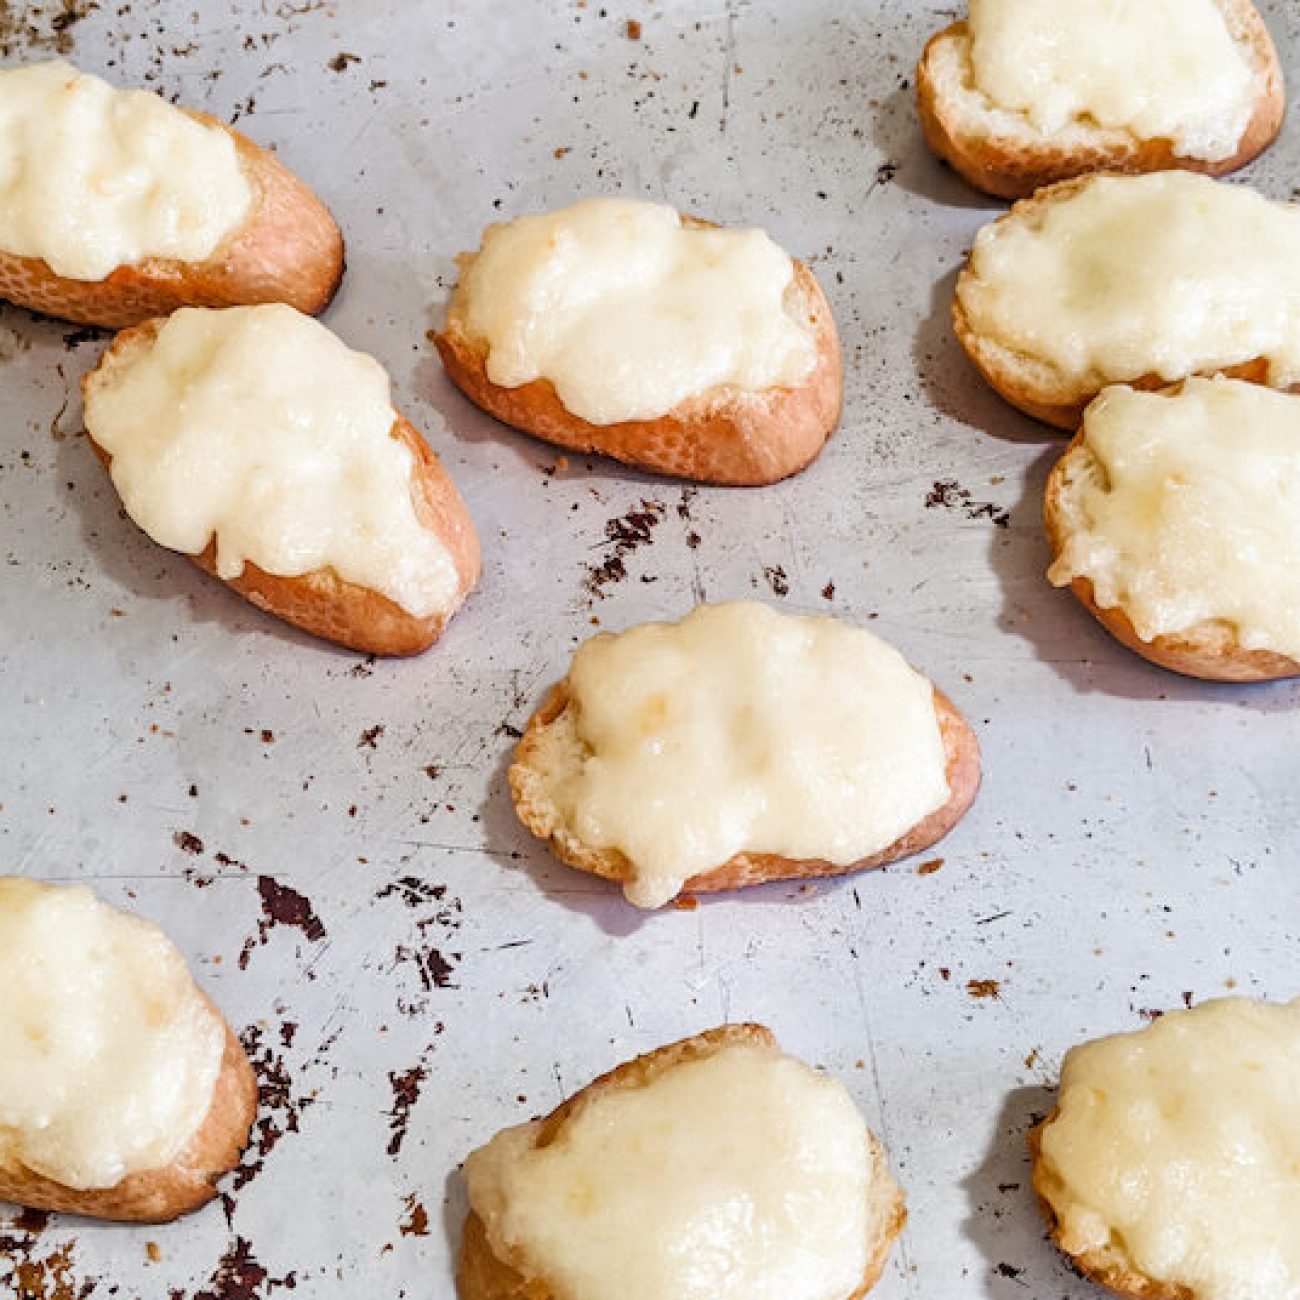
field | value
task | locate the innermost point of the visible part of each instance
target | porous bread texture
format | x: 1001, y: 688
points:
x: 321, y: 602
x: 1107, y: 1265
x: 550, y: 742
x: 160, y: 1195
x: 725, y: 436
x: 483, y: 1275
x: 1035, y: 386
x: 1000, y: 152
x: 289, y: 250
x: 1210, y: 650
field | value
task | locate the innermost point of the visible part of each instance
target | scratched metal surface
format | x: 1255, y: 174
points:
x: 330, y: 840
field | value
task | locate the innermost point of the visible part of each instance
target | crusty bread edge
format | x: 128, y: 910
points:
x: 482, y: 1275
x: 1028, y: 383
x: 321, y: 602
x: 291, y: 250
x: 1107, y: 1265
x: 731, y: 437
x: 1209, y: 651
x: 540, y: 815
x: 1014, y: 167
x: 160, y: 1195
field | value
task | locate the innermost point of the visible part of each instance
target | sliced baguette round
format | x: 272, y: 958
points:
x: 322, y: 602
x: 289, y: 250
x: 160, y: 1195
x: 1211, y: 650
x: 726, y: 436
x: 1012, y: 161
x: 483, y: 1275
x: 550, y: 731
x: 1033, y: 385
x: 1107, y: 1265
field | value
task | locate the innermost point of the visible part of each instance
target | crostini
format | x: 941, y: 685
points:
x: 1170, y: 1167
x: 116, y: 206
x: 1024, y: 93
x: 639, y: 1176
x: 623, y: 328
x: 1174, y: 517
x: 124, y: 1094
x: 740, y: 746
x: 254, y: 441
x: 1142, y: 280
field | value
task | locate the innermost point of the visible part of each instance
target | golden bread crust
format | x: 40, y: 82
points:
x: 540, y: 815
x: 290, y: 251
x: 1026, y: 381
x: 1012, y: 165
x: 1210, y: 650
x: 732, y: 437
x: 1106, y: 1266
x: 323, y: 603
x: 160, y: 1195
x: 482, y: 1275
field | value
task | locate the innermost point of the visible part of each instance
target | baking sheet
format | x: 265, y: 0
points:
x: 330, y: 839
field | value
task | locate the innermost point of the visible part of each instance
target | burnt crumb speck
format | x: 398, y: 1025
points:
x: 278, y: 1108
x: 886, y: 172
x: 188, y: 842
x: 281, y: 905
x: 983, y: 988
x: 416, y: 1221
x: 369, y: 738
x: 41, y: 28
x: 413, y: 891
x: 623, y: 535
x: 427, y: 955
x: 365, y: 668
x: 406, y: 1085
x: 948, y: 494
x: 776, y: 578
x: 239, y: 1276
x: 1009, y: 1271
x: 828, y: 591
x: 342, y: 61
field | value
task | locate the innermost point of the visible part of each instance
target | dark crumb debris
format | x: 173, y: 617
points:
x: 777, y: 579
x: 416, y: 1223
x: 930, y: 867
x: 1009, y: 1270
x: 188, y: 842
x: 828, y: 591
x: 950, y: 495
x: 340, y: 62
x: 623, y: 535
x: 886, y: 172
x: 983, y: 988
x: 370, y: 736
x: 282, y: 905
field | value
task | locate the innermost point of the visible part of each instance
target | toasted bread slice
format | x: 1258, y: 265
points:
x: 1108, y: 1266
x: 322, y: 602
x: 726, y: 436
x: 160, y: 1195
x: 289, y: 250
x: 551, y: 729
x: 1004, y: 155
x: 483, y: 1275
x: 1033, y: 384
x: 1211, y: 650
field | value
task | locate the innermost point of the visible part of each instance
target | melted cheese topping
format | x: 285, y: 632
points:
x: 1179, y: 1145
x: 93, y: 178
x: 109, y: 1054
x: 629, y: 313
x: 740, y: 728
x: 741, y: 1176
x: 1168, y: 274
x: 257, y: 425
x: 1194, y: 514
x: 1162, y: 69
